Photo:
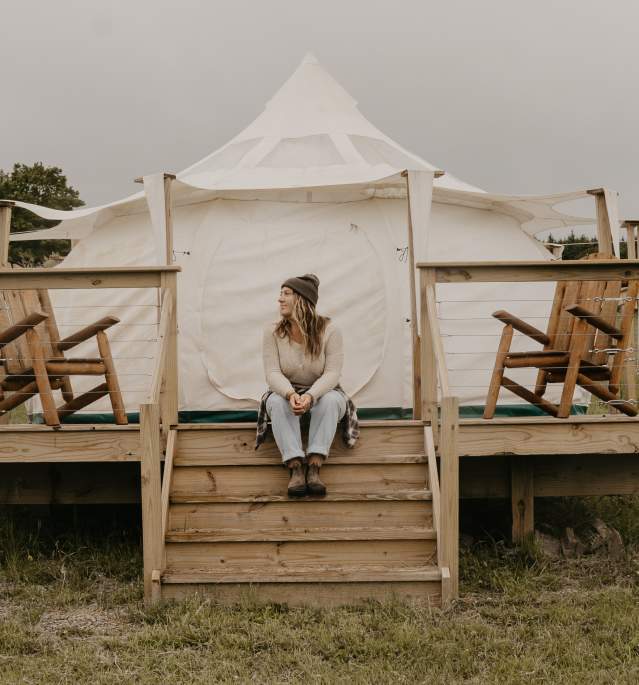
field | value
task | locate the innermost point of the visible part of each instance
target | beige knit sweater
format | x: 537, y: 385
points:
x: 285, y: 363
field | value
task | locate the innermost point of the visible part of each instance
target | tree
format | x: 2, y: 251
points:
x: 40, y: 185
x: 578, y: 246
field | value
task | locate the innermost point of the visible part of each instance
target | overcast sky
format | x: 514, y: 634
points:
x: 514, y: 96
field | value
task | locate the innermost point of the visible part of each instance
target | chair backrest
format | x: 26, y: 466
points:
x: 602, y: 299
x: 16, y: 305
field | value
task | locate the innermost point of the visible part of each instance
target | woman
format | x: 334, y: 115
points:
x: 303, y: 359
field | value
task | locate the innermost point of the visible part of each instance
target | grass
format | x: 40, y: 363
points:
x: 71, y: 612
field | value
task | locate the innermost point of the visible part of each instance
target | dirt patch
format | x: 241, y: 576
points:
x: 82, y: 621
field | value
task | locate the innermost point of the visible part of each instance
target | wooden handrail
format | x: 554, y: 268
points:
x: 166, y: 480
x: 160, y: 360
x: 157, y: 418
x: 436, y: 338
x: 84, y: 278
x: 444, y: 487
x: 433, y: 481
x: 529, y: 271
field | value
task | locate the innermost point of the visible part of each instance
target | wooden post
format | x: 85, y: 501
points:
x: 168, y: 213
x: 168, y: 216
x: 604, y: 226
x: 169, y: 397
x: 630, y: 368
x: 428, y: 362
x: 449, y: 490
x: 417, y: 371
x: 5, y: 229
x: 151, y: 494
x: 447, y: 594
x: 522, y: 497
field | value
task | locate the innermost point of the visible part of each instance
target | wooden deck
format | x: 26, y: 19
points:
x: 529, y: 436
x: 582, y: 455
x: 216, y: 521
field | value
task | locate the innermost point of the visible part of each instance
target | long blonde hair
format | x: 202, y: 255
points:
x: 311, y: 324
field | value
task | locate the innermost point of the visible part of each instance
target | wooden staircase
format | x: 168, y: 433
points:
x: 230, y: 531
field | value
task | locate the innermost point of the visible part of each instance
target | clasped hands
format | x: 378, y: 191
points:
x: 300, y: 404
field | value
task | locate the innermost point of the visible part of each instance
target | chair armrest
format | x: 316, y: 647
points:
x: 522, y: 327
x: 87, y: 332
x: 594, y: 320
x: 15, y: 331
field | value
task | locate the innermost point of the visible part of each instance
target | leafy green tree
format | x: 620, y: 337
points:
x: 40, y: 185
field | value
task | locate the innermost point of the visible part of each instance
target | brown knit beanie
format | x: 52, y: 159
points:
x: 307, y: 286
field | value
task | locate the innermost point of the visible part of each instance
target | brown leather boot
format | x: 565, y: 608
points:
x: 297, y: 481
x: 314, y: 485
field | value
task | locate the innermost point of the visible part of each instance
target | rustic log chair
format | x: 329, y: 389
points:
x: 32, y: 358
x: 586, y: 344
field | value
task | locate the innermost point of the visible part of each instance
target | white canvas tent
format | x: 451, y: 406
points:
x: 310, y: 185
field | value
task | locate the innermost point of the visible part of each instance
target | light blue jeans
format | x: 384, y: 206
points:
x: 325, y: 414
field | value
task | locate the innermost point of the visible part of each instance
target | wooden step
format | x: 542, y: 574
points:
x: 301, y: 534
x: 252, y: 483
x: 399, y: 496
x: 306, y: 574
x: 271, y: 458
x: 294, y: 514
x: 231, y: 443
x: 233, y: 533
x: 189, y: 555
x: 309, y: 594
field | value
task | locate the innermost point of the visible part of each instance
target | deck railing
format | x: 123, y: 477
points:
x: 159, y: 411
x: 440, y: 408
x: 437, y: 392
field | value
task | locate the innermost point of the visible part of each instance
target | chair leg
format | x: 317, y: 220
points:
x: 36, y: 350
x: 67, y: 390
x: 570, y: 379
x: 542, y: 383
x: 570, y: 382
x: 111, y: 378
x: 498, y: 372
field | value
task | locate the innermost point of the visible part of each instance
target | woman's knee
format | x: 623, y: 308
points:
x: 276, y: 403
x: 332, y: 401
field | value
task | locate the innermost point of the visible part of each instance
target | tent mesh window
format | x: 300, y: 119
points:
x: 315, y: 150
x: 227, y: 158
x: 380, y: 152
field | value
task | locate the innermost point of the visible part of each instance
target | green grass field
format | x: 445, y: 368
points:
x: 71, y: 612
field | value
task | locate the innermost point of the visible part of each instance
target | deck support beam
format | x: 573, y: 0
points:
x: 151, y: 494
x: 522, y: 498
x: 449, y: 491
